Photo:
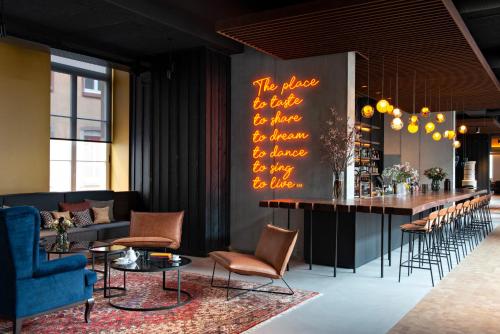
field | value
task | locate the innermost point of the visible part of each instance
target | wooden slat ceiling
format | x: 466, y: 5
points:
x: 423, y: 37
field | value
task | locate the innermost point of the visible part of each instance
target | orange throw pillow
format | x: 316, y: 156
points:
x: 101, y: 215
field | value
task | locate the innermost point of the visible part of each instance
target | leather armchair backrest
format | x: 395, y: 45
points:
x: 19, y: 242
x: 275, y: 247
x: 157, y: 224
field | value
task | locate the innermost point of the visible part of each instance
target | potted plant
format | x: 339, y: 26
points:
x: 436, y: 174
x: 338, y: 146
x: 402, y: 175
x: 61, y: 226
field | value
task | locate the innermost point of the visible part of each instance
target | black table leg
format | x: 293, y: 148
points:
x: 382, y: 245
x: 389, y: 240
x: 336, y: 246
x: 311, y: 240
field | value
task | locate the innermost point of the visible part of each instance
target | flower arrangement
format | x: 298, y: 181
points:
x: 435, y: 173
x: 338, y: 143
x: 60, y: 225
x: 401, y: 173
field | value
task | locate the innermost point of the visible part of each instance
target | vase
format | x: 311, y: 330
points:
x: 400, y: 189
x: 338, y: 185
x: 435, y: 185
x: 62, y: 240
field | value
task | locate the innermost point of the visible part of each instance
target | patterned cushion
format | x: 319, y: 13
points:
x: 46, y: 218
x: 80, y: 206
x: 101, y: 215
x: 82, y: 218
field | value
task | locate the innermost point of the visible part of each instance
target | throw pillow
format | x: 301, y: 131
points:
x: 103, y: 204
x: 46, y: 218
x: 101, y: 215
x: 82, y: 218
x: 80, y: 206
x: 59, y: 214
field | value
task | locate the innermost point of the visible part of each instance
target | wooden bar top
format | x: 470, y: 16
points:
x: 388, y: 204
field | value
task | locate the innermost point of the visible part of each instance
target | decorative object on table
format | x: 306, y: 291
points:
x: 403, y: 176
x: 424, y: 188
x: 447, y: 184
x: 469, y: 180
x: 338, y: 145
x: 436, y: 174
x: 61, y: 226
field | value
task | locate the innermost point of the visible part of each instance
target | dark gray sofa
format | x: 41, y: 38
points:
x: 124, y: 202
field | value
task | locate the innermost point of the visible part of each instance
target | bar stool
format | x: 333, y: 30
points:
x: 423, y: 232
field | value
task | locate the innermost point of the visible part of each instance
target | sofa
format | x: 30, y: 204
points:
x: 124, y: 202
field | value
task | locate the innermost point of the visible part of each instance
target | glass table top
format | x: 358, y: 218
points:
x: 74, y: 247
x: 152, y: 265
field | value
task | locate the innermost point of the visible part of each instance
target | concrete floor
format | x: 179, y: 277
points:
x: 350, y: 303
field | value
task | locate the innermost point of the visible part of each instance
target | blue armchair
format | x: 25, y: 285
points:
x: 30, y: 286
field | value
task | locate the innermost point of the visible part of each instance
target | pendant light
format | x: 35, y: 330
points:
x: 367, y: 110
x: 429, y: 127
x: 382, y: 104
x: 440, y: 118
x: 436, y: 136
x: 397, y: 112
x: 425, y: 111
x: 456, y: 144
x: 413, y: 125
x: 390, y: 107
x: 462, y: 128
x: 451, y: 134
x: 397, y: 123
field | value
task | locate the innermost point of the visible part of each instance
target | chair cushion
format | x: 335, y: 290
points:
x: 90, y: 277
x: 147, y: 242
x: 244, y: 264
x: 413, y: 227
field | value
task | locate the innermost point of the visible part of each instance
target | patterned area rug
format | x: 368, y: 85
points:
x: 208, y: 312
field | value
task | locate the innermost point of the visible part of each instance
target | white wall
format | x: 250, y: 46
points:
x: 419, y: 149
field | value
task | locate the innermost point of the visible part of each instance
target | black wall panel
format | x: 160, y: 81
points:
x: 475, y: 147
x: 179, y: 130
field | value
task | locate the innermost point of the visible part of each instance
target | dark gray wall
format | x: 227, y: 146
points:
x: 247, y: 218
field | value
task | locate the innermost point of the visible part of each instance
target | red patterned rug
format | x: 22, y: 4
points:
x: 208, y: 312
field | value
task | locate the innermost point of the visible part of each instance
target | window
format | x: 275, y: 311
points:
x: 80, y: 126
x: 91, y: 87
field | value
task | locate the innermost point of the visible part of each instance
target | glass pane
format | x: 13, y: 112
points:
x: 87, y: 151
x: 91, y: 99
x: 60, y: 94
x: 91, y: 175
x: 60, y: 127
x: 91, y: 130
x: 60, y: 176
x: 60, y: 150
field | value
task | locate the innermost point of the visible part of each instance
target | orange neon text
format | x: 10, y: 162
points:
x: 258, y: 167
x: 279, y: 167
x: 258, y: 137
x: 259, y: 104
x: 280, y: 118
x: 259, y: 120
x: 286, y: 136
x: 277, y: 183
x: 281, y: 153
x: 257, y: 183
x: 290, y: 101
x: 265, y: 85
x: 293, y: 83
x: 258, y: 153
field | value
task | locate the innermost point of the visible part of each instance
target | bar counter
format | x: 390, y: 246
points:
x: 354, y: 237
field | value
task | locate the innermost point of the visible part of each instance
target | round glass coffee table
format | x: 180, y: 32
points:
x: 153, y: 265
x: 73, y: 247
x: 105, y: 250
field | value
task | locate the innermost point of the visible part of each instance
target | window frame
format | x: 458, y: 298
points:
x: 74, y: 73
x: 94, y: 92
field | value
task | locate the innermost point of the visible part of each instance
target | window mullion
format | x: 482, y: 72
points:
x: 74, y: 114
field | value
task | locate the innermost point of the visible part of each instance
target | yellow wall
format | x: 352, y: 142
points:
x: 24, y: 118
x: 120, y: 146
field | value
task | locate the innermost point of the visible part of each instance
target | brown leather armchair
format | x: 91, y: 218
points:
x: 154, y: 230
x: 270, y: 260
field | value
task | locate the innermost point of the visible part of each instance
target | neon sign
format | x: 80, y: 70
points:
x: 277, y: 125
